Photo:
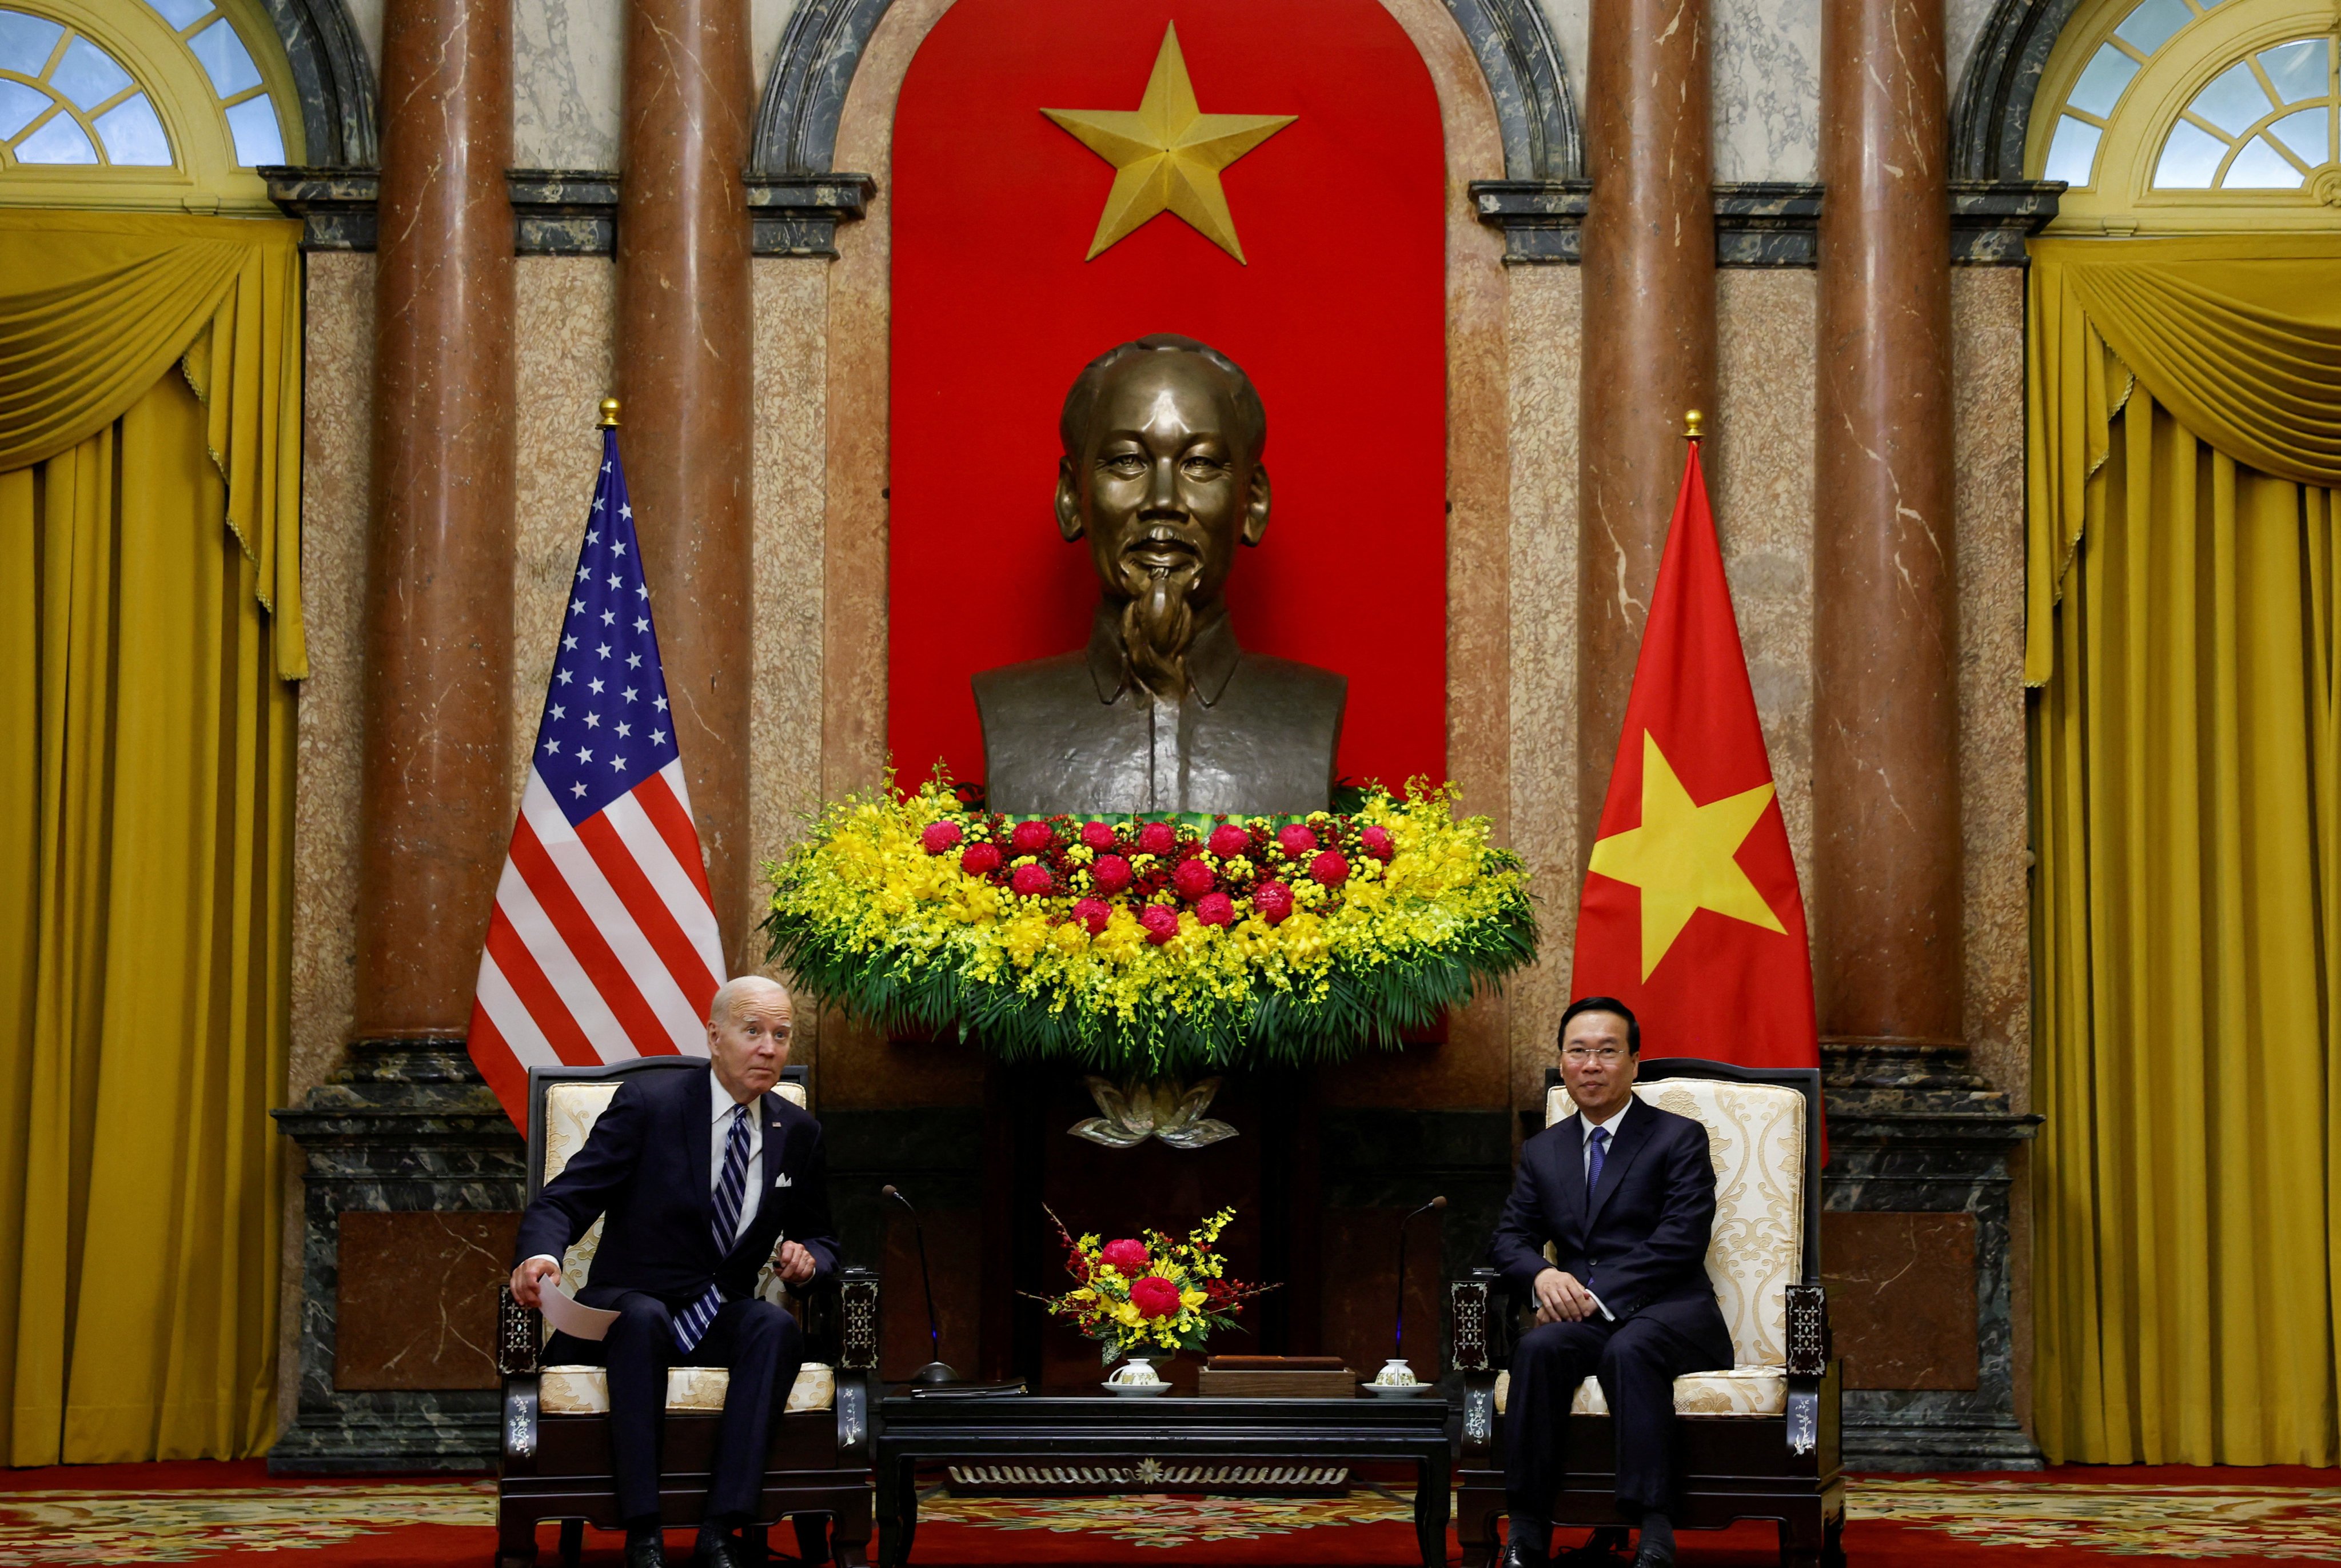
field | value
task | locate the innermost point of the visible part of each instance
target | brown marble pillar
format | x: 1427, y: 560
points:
x: 684, y: 373
x: 437, y: 802
x: 1648, y: 279
x: 1885, y: 778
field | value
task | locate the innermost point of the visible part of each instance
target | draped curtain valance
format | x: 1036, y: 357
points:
x: 95, y: 307
x: 2243, y: 350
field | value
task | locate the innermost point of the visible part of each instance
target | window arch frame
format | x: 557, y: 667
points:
x: 2121, y: 197
x: 203, y: 175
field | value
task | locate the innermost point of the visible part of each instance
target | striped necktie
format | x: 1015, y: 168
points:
x: 692, y: 1326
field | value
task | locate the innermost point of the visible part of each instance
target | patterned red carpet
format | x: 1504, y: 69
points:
x: 231, y: 1514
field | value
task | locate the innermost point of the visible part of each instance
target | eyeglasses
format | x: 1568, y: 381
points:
x: 1608, y: 1056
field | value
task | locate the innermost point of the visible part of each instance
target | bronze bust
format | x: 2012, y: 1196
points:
x: 1163, y: 711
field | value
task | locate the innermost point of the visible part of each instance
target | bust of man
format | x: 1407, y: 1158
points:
x: 1163, y: 711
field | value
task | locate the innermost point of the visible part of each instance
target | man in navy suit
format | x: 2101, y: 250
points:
x: 695, y: 1175
x: 1625, y: 1195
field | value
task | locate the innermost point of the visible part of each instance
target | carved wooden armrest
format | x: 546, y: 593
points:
x: 1476, y: 1306
x: 519, y: 1335
x: 857, y: 1361
x: 1809, y: 1363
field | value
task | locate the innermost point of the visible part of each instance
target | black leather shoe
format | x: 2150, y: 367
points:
x: 1520, y: 1555
x: 1650, y: 1555
x: 645, y: 1550
x: 719, y: 1549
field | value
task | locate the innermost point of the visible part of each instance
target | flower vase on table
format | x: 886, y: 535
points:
x: 1149, y: 1296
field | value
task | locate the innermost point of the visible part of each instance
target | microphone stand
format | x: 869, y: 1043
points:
x: 1397, y: 1337
x: 935, y: 1371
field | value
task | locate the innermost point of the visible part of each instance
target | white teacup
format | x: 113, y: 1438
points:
x: 1137, y: 1373
x: 1396, y: 1374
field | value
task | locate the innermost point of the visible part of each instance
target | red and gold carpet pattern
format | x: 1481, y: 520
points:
x: 228, y: 1514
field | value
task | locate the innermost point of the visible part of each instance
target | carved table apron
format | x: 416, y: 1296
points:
x: 1095, y: 1431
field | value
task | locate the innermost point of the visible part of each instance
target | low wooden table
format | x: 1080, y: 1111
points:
x: 1104, y: 1429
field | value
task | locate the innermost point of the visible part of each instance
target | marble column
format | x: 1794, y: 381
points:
x: 684, y: 373
x: 1649, y: 281
x: 436, y: 803
x: 1886, y: 779
x: 405, y: 1134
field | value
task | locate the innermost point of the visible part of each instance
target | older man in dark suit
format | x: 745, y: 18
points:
x: 696, y: 1176
x: 1624, y: 1193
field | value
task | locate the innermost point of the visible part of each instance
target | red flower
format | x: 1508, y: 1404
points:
x: 1193, y: 880
x: 1273, y: 900
x: 1157, y: 839
x: 1216, y: 910
x: 1161, y: 923
x: 1076, y: 1265
x: 1111, y: 873
x: 980, y: 859
x: 1154, y: 1297
x: 1098, y: 836
x: 1092, y: 913
x: 1033, y: 881
x: 1228, y: 840
x: 1329, y: 870
x: 1377, y: 842
x: 941, y: 838
x: 1032, y: 838
x: 1219, y: 1294
x: 1126, y: 1256
x: 1295, y: 840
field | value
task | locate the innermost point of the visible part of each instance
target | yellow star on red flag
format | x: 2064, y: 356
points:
x: 1683, y: 856
x: 1167, y: 154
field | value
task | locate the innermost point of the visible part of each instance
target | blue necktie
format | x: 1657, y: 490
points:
x: 1599, y: 1144
x: 692, y: 1326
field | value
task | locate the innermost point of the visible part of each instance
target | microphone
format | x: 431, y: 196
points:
x: 935, y: 1370
x: 1397, y: 1337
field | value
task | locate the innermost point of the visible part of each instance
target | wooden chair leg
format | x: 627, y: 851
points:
x: 515, y: 1543
x: 850, y: 1543
x: 573, y: 1542
x: 1801, y: 1540
x: 757, y: 1541
x: 1476, y: 1513
x: 1833, y: 1544
x: 812, y: 1536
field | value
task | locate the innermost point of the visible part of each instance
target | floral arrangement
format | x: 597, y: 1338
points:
x: 1151, y: 947
x: 1148, y: 1294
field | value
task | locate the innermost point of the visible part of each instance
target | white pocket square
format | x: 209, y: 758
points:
x: 782, y: 1180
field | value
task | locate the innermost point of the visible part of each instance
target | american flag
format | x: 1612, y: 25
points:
x: 603, y: 944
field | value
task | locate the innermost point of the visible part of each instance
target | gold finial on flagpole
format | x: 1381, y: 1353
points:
x: 1693, y: 420
x: 609, y: 414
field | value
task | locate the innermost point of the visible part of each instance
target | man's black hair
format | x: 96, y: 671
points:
x: 1604, y: 1005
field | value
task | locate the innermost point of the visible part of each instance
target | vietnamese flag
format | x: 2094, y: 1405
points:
x: 1691, y: 914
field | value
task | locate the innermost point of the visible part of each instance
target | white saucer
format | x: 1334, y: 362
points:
x: 1398, y: 1391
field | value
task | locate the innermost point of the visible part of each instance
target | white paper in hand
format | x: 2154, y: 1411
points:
x: 565, y: 1312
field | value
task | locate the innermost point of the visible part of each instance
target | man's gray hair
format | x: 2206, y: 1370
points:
x: 730, y: 996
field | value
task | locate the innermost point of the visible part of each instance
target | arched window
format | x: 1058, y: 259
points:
x: 2193, y: 116
x: 170, y: 103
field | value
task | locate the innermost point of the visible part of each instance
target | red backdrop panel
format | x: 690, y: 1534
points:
x: 1340, y: 319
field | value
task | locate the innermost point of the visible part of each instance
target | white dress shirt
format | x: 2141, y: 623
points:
x: 1611, y: 1125
x: 753, y: 1193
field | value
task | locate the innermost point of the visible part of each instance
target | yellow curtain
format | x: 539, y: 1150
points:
x: 145, y: 811
x: 2184, y: 409
x: 95, y: 306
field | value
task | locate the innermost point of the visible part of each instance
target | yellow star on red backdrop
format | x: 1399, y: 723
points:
x: 1167, y: 154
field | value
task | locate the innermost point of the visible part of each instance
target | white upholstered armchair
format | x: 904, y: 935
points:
x: 1760, y: 1441
x: 555, y: 1463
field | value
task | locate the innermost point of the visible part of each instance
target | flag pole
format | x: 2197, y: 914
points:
x: 609, y: 414
x: 1692, y: 421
